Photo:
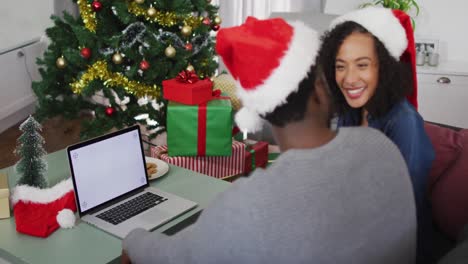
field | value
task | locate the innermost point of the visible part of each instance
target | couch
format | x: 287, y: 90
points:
x: 448, y: 180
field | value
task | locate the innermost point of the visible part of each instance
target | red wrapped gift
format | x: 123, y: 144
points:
x: 215, y: 166
x: 187, y: 89
x: 256, y: 155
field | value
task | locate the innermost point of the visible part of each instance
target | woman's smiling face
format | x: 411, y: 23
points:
x: 357, y: 69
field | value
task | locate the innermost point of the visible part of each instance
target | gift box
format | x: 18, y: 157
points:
x: 200, y: 130
x: 4, y: 197
x: 218, y: 167
x: 256, y: 155
x: 187, y: 89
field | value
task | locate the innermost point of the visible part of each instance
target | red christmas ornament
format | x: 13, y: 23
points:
x: 97, y: 6
x: 215, y: 27
x: 144, y: 65
x: 85, y: 53
x: 110, y: 111
x: 206, y: 21
x: 188, y: 46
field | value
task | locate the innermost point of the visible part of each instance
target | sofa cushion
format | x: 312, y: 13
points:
x: 450, y: 193
x: 447, y: 145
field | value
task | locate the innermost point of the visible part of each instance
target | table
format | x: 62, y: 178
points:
x: 85, y: 243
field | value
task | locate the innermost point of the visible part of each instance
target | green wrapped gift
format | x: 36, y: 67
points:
x: 200, y: 130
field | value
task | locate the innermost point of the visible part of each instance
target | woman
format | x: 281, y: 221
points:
x: 360, y: 56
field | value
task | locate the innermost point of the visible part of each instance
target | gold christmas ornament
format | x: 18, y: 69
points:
x: 151, y: 12
x: 170, y: 51
x: 117, y: 58
x: 139, y: 1
x: 61, y: 62
x: 99, y: 71
x: 217, y: 20
x: 186, y: 30
x: 190, y: 68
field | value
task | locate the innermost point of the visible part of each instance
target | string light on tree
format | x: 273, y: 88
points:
x: 97, y: 6
x: 110, y: 111
x: 170, y: 51
x: 139, y: 1
x: 117, y: 58
x: 186, y: 30
x: 85, y: 53
x: 144, y: 65
x: 61, y: 62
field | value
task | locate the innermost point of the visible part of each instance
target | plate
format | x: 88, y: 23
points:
x: 162, y: 167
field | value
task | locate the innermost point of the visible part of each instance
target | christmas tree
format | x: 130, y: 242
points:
x: 30, y: 148
x: 111, y: 60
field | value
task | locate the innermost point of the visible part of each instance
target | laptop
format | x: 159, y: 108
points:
x: 111, y: 185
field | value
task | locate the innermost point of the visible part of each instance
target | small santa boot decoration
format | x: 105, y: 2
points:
x: 39, y: 212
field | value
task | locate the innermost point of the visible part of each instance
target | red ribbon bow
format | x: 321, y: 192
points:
x: 186, y: 76
x: 216, y: 93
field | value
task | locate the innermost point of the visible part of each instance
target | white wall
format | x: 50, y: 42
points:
x: 445, y: 21
x: 23, y: 20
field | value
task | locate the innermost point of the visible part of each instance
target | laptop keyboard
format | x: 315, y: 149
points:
x: 131, y: 208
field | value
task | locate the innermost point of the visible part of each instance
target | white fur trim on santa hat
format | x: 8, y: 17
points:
x: 66, y: 218
x: 285, y: 79
x: 28, y: 193
x: 380, y: 22
x: 248, y: 120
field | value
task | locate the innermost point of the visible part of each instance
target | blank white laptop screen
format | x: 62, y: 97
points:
x: 107, y: 169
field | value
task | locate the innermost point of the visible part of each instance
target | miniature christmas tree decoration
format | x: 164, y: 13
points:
x: 31, y: 165
x: 39, y: 210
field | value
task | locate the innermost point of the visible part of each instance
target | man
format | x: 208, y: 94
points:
x: 329, y: 198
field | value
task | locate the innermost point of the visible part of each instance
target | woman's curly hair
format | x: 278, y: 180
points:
x: 394, y: 80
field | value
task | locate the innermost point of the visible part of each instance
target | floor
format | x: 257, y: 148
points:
x: 57, y: 132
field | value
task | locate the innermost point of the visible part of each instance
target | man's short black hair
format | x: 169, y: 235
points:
x: 394, y: 82
x: 295, y: 107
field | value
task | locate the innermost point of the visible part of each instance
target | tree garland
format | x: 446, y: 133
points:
x: 166, y: 19
x: 99, y: 71
x: 88, y: 15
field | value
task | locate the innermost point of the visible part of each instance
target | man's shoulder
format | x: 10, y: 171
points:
x: 370, y: 142
x: 364, y: 134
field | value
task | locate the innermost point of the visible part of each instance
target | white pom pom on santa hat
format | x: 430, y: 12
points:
x: 66, y: 218
x: 248, y: 120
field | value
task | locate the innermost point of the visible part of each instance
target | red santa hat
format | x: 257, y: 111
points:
x: 39, y: 212
x: 268, y: 58
x: 394, y: 29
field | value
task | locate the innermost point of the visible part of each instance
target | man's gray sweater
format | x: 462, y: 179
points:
x: 349, y: 201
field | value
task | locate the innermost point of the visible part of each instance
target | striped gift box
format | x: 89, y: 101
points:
x: 220, y: 167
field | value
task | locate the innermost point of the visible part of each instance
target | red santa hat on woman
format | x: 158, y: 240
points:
x: 268, y: 58
x: 394, y: 29
x: 39, y: 212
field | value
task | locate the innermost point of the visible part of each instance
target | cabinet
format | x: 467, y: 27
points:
x: 443, y: 93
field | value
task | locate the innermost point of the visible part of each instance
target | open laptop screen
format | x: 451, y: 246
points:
x: 107, y: 167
